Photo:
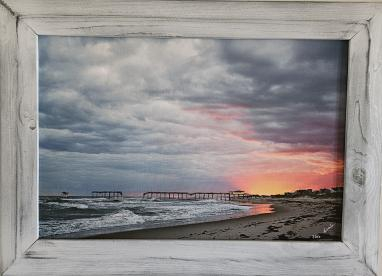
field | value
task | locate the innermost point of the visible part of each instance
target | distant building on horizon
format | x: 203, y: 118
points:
x: 237, y: 192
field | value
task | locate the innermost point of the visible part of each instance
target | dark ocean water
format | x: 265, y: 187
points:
x: 83, y: 216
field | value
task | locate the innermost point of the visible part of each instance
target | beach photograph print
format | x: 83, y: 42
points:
x: 176, y: 138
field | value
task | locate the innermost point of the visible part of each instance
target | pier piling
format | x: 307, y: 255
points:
x: 188, y: 196
x: 107, y: 194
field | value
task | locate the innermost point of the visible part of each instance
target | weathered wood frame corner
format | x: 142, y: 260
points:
x: 21, y: 21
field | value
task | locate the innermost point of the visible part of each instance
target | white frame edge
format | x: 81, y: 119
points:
x: 20, y: 23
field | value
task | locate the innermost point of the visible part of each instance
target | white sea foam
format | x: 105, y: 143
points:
x: 131, y: 213
x: 124, y: 217
x: 69, y: 205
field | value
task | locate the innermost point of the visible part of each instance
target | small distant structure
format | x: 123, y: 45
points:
x: 65, y: 194
x: 115, y: 195
x: 239, y: 194
x: 307, y: 192
x: 324, y: 191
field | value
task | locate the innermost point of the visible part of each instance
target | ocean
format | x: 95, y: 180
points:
x: 77, y: 217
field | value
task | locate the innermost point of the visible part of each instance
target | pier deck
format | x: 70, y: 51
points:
x: 107, y: 194
x: 194, y: 196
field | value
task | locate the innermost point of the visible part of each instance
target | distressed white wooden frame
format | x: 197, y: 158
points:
x: 21, y: 21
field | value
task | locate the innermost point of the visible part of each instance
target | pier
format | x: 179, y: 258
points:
x: 108, y: 194
x: 188, y: 196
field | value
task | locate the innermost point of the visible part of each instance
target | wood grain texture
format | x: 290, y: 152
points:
x: 8, y: 88
x: 174, y: 257
x: 361, y: 221
x: 357, y: 120
x: 227, y: 10
x: 223, y: 19
x: 27, y: 142
x: 374, y: 159
x: 107, y: 26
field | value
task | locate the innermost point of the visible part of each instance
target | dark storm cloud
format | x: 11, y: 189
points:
x: 109, y: 106
x: 303, y: 92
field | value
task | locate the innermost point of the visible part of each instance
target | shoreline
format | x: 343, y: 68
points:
x: 175, y: 231
x: 291, y: 220
x: 95, y: 233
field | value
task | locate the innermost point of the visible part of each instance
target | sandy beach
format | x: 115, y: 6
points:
x: 292, y: 219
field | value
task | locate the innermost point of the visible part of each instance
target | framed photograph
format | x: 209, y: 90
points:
x: 190, y: 137
x: 184, y: 138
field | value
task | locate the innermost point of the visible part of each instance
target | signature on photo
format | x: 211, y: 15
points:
x: 326, y: 230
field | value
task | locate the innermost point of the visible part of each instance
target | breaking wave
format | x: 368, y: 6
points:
x: 65, y: 216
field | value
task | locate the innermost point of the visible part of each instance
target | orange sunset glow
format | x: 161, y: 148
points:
x: 278, y: 173
x: 269, y: 168
x: 279, y: 183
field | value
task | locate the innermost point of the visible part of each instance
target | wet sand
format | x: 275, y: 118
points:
x: 293, y: 219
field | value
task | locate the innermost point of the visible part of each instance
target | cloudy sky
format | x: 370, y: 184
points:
x: 135, y: 114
